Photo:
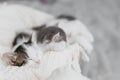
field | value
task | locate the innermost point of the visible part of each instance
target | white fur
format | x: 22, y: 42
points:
x: 21, y: 17
x: 54, y: 46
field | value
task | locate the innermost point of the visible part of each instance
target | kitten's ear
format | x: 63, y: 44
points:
x: 56, y: 37
x: 32, y: 38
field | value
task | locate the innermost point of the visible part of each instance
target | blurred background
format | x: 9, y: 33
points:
x: 102, y: 17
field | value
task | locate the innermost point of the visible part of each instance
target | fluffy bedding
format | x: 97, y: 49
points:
x: 61, y: 65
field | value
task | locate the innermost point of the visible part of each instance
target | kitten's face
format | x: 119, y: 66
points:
x: 32, y: 51
x: 14, y: 59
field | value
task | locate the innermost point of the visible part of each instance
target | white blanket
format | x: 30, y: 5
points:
x: 49, y: 63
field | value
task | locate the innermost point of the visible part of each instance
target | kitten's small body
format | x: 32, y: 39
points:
x: 44, y: 39
x: 44, y: 35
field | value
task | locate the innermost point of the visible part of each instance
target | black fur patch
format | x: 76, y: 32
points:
x: 20, y: 36
x: 21, y: 50
x: 49, y: 32
x: 68, y: 17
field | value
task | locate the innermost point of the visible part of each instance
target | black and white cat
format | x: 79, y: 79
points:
x: 41, y: 41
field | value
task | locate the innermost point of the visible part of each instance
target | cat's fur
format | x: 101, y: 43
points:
x: 47, y: 39
x: 20, y: 16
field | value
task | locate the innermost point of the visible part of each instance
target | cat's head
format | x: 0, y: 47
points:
x: 27, y: 52
x: 14, y: 59
x: 53, y: 38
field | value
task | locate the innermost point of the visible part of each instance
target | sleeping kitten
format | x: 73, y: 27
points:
x: 50, y: 37
x: 47, y: 39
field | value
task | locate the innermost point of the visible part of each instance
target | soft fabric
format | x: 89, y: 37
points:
x: 66, y: 73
